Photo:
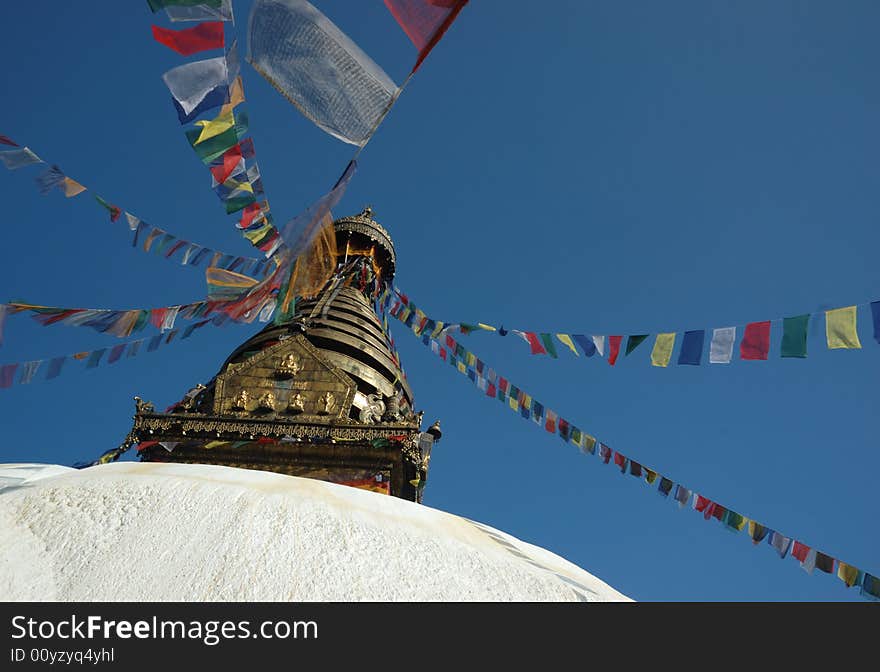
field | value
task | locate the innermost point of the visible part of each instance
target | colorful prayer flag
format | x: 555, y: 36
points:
x: 587, y: 344
x: 7, y: 375
x: 565, y: 339
x: 28, y: 371
x: 19, y: 158
x: 531, y: 338
x: 634, y: 341
x: 613, y: 348
x: 794, y: 336
x: 721, y: 347
x: 756, y: 341
x: 72, y: 187
x: 191, y: 83
x: 840, y: 328
x: 848, y: 574
x: 662, y: 352
x: 424, y: 21
x: 189, y: 41
x: 112, y: 209
x: 549, y: 346
x: 692, y: 347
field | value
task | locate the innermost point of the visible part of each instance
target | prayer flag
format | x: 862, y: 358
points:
x: 201, y: 11
x: 756, y: 341
x: 116, y: 352
x: 875, y: 314
x: 586, y: 343
x: 55, y: 367
x: 48, y: 180
x: 620, y: 461
x: 189, y: 41
x: 848, y: 574
x: 681, y: 495
x: 613, y: 348
x: 191, y: 83
x: 721, y: 347
x: 19, y: 158
x: 870, y: 586
x: 156, y: 5
x: 547, y: 340
x: 692, y: 347
x: 72, y: 187
x: 800, y: 551
x: 550, y: 425
x: 632, y: 342
x: 824, y: 563
x: 589, y: 444
x: 424, y: 21
x: 95, y: 358
x: 28, y: 371
x: 565, y: 339
x: 7, y: 375
x: 840, y: 328
x: 665, y: 486
x: 599, y: 342
x: 6, y: 141
x: 662, y: 352
x: 794, y: 336
x: 213, y: 127
x: 531, y: 338
x: 757, y: 532
x: 112, y: 209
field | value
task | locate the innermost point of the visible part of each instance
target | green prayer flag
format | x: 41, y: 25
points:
x: 632, y: 342
x: 794, y: 336
x: 547, y: 340
x: 239, y: 203
x: 210, y: 149
x: 156, y: 5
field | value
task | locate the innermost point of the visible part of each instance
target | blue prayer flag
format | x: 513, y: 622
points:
x: 586, y: 344
x: 692, y: 347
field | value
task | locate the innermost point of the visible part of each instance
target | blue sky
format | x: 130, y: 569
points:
x: 574, y: 167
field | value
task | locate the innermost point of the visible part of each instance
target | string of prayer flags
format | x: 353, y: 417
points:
x: 840, y: 328
x: 54, y: 177
x: 319, y: 69
x: 188, y: 41
x: 92, y: 358
x: 14, y: 159
x: 425, y: 21
x: 464, y: 362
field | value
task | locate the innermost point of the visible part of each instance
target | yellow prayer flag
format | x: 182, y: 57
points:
x: 72, y: 187
x: 566, y: 340
x: 220, y: 277
x: 742, y: 523
x: 662, y: 352
x: 214, y: 444
x: 527, y: 402
x: 437, y: 329
x: 847, y: 573
x: 840, y: 328
x: 513, y: 403
x: 216, y: 126
x: 256, y: 234
x: 471, y: 359
x: 461, y: 366
x: 589, y: 443
x: 235, y: 185
x: 404, y: 314
x: 236, y: 96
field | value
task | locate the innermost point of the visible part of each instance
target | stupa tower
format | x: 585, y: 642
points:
x: 320, y: 395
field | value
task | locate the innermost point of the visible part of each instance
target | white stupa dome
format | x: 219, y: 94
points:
x: 176, y: 532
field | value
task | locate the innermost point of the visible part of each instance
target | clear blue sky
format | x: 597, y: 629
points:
x: 583, y: 167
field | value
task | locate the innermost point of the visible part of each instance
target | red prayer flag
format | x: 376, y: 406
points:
x: 613, y: 348
x: 6, y: 141
x: 207, y: 35
x: 223, y: 167
x: 450, y: 342
x: 534, y: 343
x: 701, y: 503
x: 620, y: 461
x: 490, y: 391
x: 551, y: 422
x: 143, y: 445
x: 756, y: 341
x: 424, y: 21
x: 800, y: 551
x: 249, y: 214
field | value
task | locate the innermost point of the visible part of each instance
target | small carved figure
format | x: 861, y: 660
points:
x: 267, y: 402
x: 144, y: 406
x: 296, y: 404
x: 327, y: 401
x: 374, y: 410
x: 288, y: 367
x: 241, y: 400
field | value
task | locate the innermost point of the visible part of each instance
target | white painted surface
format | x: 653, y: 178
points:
x: 131, y: 531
